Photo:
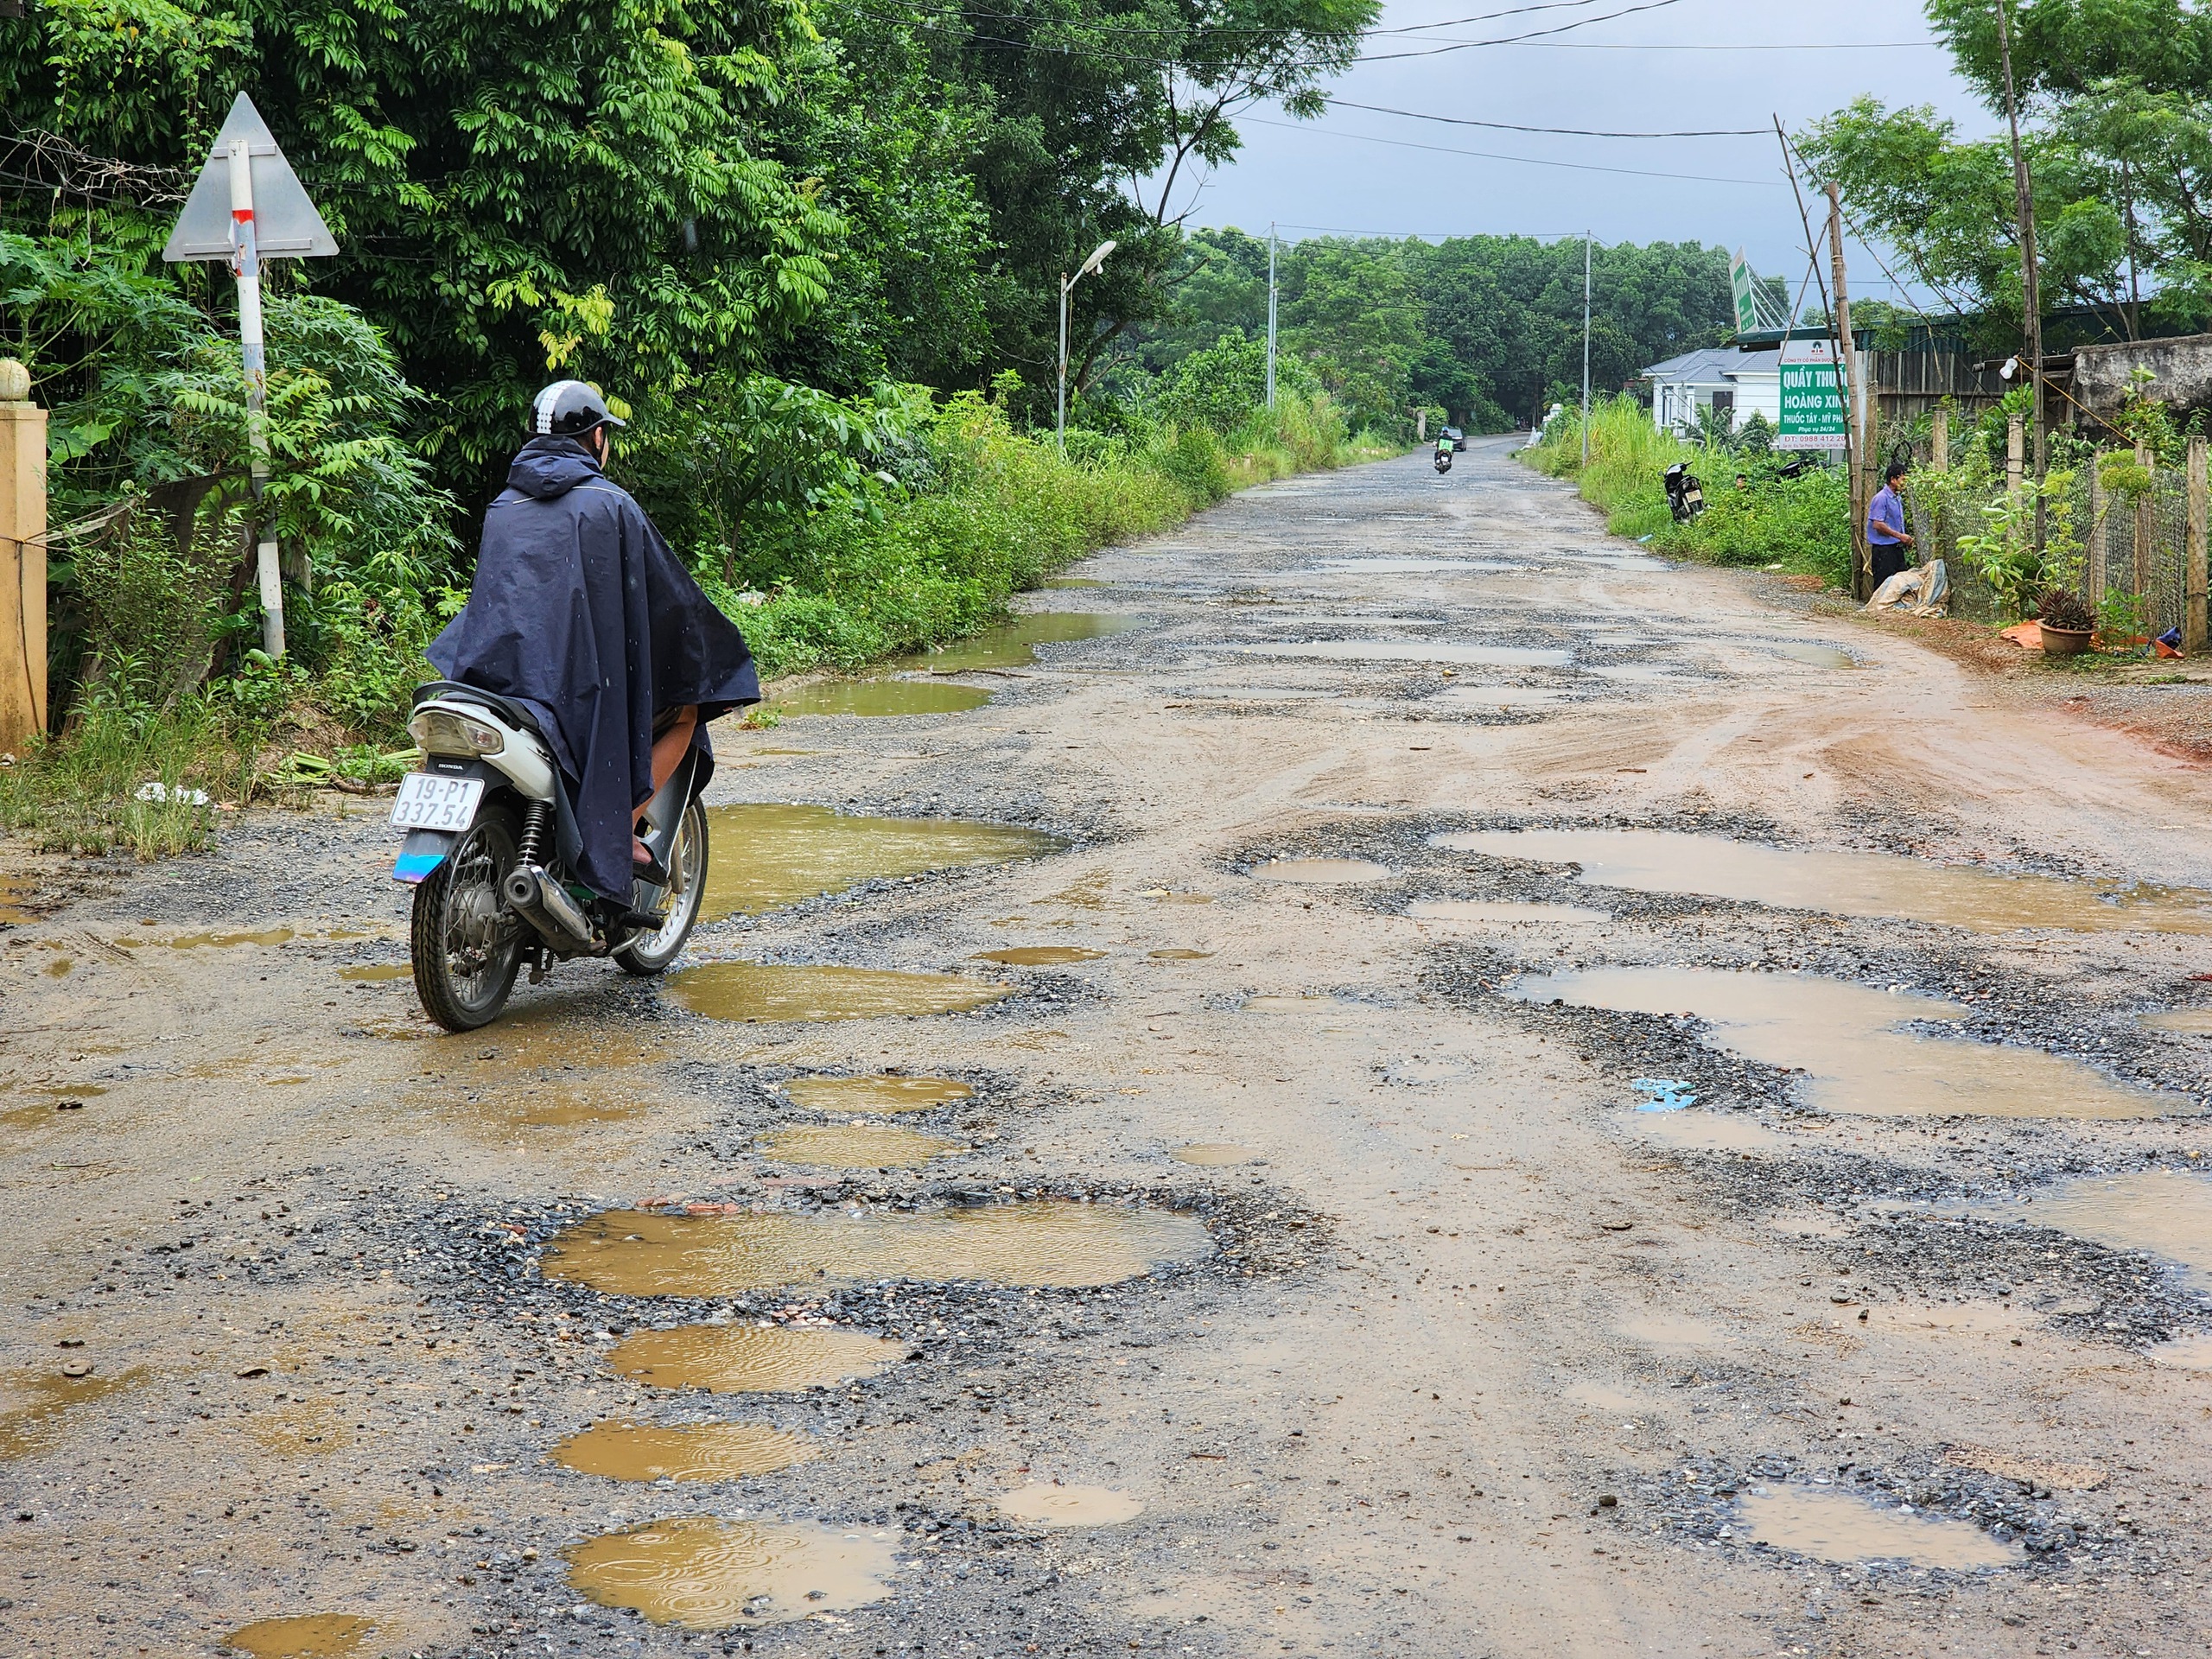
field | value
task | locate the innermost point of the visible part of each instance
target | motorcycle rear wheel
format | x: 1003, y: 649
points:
x: 465, y: 945
x: 676, y: 904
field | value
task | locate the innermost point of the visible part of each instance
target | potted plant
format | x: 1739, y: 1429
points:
x: 2067, y: 622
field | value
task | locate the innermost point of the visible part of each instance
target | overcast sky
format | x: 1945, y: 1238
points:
x: 1633, y: 73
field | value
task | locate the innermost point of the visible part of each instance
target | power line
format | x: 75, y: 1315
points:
x: 1510, y: 40
x: 1572, y: 132
x: 1491, y: 156
x: 1489, y: 17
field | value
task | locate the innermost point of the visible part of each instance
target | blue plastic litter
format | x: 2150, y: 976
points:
x: 1663, y: 1095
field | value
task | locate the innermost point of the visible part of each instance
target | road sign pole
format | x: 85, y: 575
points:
x: 246, y: 267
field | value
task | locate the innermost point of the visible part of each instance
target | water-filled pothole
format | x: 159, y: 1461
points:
x: 1037, y: 1242
x: 709, y: 1575
x: 1179, y: 956
x: 1213, y: 1154
x: 837, y: 1146
x: 1040, y: 955
x: 1046, y: 1505
x: 2165, y: 1211
x: 2187, y: 1021
x: 1322, y: 872
x: 310, y: 1635
x: 755, y: 991
x: 687, y: 1451
x: 749, y: 1358
x: 1417, y: 650
x: 34, y: 1406
x: 1843, y: 1039
x: 1013, y: 644
x: 1844, y: 884
x: 1839, y: 1527
x: 376, y: 972
x: 879, y: 1093
x: 781, y: 855
x: 878, y: 698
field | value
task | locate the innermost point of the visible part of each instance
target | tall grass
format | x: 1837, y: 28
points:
x: 1803, y: 524
x: 141, y: 780
x: 1006, y: 510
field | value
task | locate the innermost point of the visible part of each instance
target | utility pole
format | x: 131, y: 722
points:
x: 1271, y: 315
x: 1586, y: 347
x: 2024, y: 207
x: 1847, y: 387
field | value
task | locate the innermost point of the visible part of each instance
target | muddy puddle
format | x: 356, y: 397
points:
x: 1479, y: 910
x: 1212, y: 1154
x: 309, y: 1636
x: 36, y: 1407
x: 1046, y: 1505
x: 1322, y: 872
x: 1038, y: 1242
x: 376, y: 973
x: 751, y: 1358
x: 779, y: 855
x: 1845, y: 1038
x: 1040, y: 955
x: 14, y: 896
x: 1675, y: 1333
x: 885, y: 698
x: 1845, y: 883
x: 878, y: 1093
x: 1015, y: 644
x: 544, y: 1041
x: 836, y: 1145
x: 689, y: 1452
x: 1417, y: 650
x: 703, y: 1574
x: 2196, y: 1022
x: 755, y: 991
x: 1179, y: 955
x: 1839, y: 1527
x: 2165, y: 1211
x: 1817, y: 655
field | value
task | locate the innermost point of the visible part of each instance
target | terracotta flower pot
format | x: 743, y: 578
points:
x: 2065, y: 642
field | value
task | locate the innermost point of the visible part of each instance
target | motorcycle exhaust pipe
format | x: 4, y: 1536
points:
x: 541, y: 901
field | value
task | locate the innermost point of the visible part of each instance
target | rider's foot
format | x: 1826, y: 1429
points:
x: 639, y: 854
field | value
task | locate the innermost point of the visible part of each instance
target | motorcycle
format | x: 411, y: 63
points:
x: 492, y: 894
x: 1443, y: 458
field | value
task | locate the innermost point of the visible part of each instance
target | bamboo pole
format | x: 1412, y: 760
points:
x: 2200, y: 510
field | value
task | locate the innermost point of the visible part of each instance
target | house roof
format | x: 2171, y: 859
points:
x: 1713, y: 365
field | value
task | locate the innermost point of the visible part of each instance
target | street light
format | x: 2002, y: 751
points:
x: 1067, y: 287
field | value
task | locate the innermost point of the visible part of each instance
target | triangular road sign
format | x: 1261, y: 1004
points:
x: 285, y: 223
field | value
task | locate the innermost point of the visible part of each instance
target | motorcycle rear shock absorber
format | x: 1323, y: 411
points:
x: 532, y: 850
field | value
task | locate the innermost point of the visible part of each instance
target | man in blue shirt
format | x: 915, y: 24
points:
x: 1888, y: 547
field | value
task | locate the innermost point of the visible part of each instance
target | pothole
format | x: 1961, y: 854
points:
x: 755, y: 991
x: 878, y: 1093
x: 1040, y: 955
x: 1844, y: 884
x: 783, y: 855
x: 876, y: 698
x: 831, y: 1146
x: 1843, y: 1038
x: 689, y: 1452
x: 1322, y: 872
x: 309, y: 1636
x: 1840, y: 1527
x: 709, y: 1575
x: 1046, y: 1505
x: 1034, y: 1241
x: 751, y: 1359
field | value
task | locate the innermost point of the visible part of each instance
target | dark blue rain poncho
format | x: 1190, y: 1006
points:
x: 581, y: 613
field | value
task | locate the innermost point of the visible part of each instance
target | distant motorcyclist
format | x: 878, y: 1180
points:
x: 1446, y: 443
x: 581, y: 613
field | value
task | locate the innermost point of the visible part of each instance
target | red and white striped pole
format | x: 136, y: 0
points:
x: 245, y: 265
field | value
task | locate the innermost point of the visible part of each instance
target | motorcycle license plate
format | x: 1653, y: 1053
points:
x: 428, y: 802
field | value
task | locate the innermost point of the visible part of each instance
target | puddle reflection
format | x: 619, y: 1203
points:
x: 707, y: 1574
x: 1038, y: 1242
x: 1040, y: 955
x: 1845, y: 883
x: 879, y: 1093
x: 689, y: 1452
x: 754, y: 991
x: 2165, y: 1211
x: 877, y: 698
x: 1013, y: 644
x: 751, y: 1359
x: 1833, y: 1526
x: 1845, y: 1038
x: 781, y: 855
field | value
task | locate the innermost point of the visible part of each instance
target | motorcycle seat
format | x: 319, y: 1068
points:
x: 452, y: 691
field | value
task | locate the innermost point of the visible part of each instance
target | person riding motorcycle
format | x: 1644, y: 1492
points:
x: 581, y: 615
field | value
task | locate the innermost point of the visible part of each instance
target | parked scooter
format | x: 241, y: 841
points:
x: 1685, y: 500
x: 491, y: 894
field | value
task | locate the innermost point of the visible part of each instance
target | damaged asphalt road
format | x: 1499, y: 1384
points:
x: 1282, y: 1251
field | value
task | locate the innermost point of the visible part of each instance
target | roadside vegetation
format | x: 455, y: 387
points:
x: 1800, y: 524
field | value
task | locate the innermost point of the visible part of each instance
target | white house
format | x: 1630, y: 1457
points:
x: 1722, y: 377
